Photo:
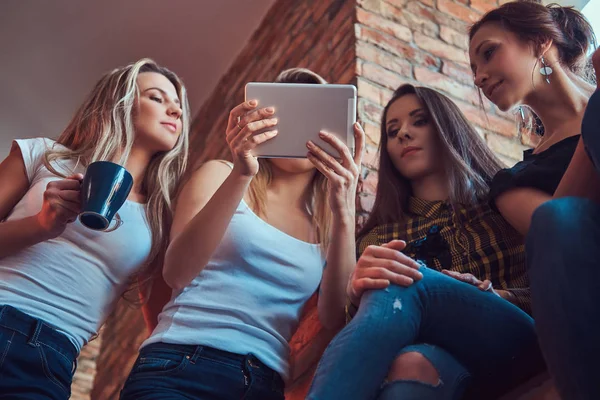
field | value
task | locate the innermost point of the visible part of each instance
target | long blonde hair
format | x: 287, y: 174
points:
x: 316, y: 203
x: 102, y: 130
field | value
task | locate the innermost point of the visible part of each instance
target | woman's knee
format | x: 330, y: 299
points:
x: 555, y: 223
x: 413, y: 366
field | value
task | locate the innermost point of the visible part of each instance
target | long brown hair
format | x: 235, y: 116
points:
x: 536, y: 24
x: 102, y: 130
x: 469, y: 163
x: 317, y: 197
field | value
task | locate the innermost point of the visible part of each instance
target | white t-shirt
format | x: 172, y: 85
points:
x: 74, y: 280
x: 250, y: 295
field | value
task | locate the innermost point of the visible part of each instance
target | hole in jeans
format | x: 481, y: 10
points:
x: 413, y: 366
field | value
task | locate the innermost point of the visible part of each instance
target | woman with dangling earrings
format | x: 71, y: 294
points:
x: 524, y: 53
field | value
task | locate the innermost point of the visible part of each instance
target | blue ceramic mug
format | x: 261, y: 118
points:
x: 104, y: 189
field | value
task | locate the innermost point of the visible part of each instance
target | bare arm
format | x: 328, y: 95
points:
x: 16, y: 235
x: 342, y: 177
x: 340, y: 263
x: 210, y: 198
x: 203, y: 212
x: 517, y: 206
x: 580, y: 179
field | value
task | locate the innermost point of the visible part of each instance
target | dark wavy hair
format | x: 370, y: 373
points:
x: 469, y: 162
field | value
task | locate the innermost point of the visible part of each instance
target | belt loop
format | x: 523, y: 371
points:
x: 194, y: 357
x: 33, y: 339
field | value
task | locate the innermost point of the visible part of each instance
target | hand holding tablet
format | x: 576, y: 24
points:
x: 301, y: 112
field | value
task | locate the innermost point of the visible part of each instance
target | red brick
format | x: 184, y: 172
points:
x: 508, y: 147
x: 484, y: 6
x: 370, y: 5
x: 394, y: 46
x: 459, y: 11
x: 455, y: 38
x: 377, y: 22
x: 382, y: 76
x: 369, y: 111
x: 375, y: 93
x: 428, y: 3
x: 370, y: 183
x: 372, y: 132
x: 487, y: 120
x: 396, y: 3
x: 458, y: 72
x: 366, y: 202
x: 392, y: 13
x: 371, y: 53
x: 371, y: 158
x: 451, y: 87
x: 439, y: 48
x: 436, y: 16
x: 415, y: 21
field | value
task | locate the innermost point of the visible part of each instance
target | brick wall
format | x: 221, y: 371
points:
x: 423, y: 42
x: 316, y: 34
x: 375, y: 44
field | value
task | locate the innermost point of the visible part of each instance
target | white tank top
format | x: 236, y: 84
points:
x: 72, y: 281
x: 250, y: 295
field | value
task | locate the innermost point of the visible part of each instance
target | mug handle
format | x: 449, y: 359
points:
x: 118, y: 222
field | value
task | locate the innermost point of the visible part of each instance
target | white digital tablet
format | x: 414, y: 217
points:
x: 302, y: 111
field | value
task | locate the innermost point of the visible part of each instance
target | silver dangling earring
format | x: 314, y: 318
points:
x: 522, y: 115
x: 546, y: 71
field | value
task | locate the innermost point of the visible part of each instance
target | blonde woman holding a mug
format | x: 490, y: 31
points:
x: 58, y: 279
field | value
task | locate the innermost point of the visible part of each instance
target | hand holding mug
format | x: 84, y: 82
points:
x: 61, y: 205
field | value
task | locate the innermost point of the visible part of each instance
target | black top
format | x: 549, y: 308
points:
x: 542, y: 171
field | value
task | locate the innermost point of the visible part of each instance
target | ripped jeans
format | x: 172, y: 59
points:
x: 494, y: 340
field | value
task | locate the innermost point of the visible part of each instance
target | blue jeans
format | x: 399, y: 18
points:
x: 492, y: 338
x: 36, y: 361
x: 172, y: 372
x: 452, y: 382
x: 563, y: 252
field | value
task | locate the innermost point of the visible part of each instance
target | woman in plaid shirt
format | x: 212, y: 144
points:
x: 467, y: 295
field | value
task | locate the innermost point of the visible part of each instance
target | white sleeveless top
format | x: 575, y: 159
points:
x: 72, y: 281
x: 250, y: 295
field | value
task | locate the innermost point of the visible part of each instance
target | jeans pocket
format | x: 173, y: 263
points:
x: 158, y: 364
x: 57, y: 368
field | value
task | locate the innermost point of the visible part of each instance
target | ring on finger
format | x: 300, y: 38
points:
x: 238, y: 124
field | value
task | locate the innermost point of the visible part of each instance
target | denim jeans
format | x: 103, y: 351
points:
x: 590, y: 129
x: 36, y: 361
x: 563, y: 252
x: 492, y: 338
x: 451, y: 385
x: 171, y: 371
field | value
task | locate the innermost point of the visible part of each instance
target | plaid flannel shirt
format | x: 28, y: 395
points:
x: 473, y: 239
